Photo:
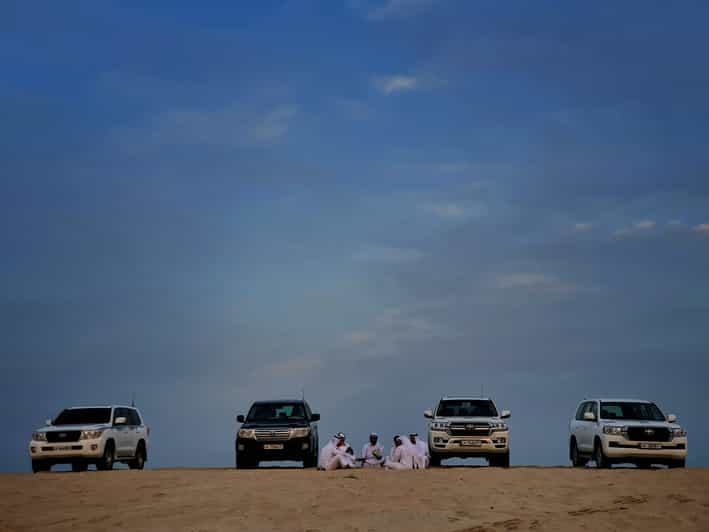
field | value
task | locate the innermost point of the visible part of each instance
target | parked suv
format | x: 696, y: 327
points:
x: 611, y: 431
x: 277, y: 430
x: 465, y: 427
x: 100, y: 435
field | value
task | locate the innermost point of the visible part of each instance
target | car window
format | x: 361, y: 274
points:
x: 580, y: 410
x: 466, y: 408
x: 83, y: 416
x: 594, y: 409
x: 120, y: 412
x: 134, y: 418
x: 276, y: 411
x: 630, y: 410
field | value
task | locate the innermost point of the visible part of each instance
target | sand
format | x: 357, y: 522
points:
x: 446, y: 499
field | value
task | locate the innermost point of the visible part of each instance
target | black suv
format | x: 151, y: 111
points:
x: 277, y: 430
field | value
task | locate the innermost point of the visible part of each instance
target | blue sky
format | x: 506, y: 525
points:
x: 378, y: 201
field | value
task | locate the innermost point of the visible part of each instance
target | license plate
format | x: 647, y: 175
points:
x: 650, y: 446
x: 471, y: 443
x: 273, y: 446
x: 63, y: 448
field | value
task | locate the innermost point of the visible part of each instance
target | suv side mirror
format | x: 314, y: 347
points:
x: 240, y: 418
x: 48, y: 422
x: 589, y: 416
x: 428, y: 414
x: 120, y: 421
x: 314, y: 417
x: 505, y: 414
x: 671, y: 418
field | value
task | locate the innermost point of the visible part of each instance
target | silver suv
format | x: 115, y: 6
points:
x: 465, y: 427
x: 99, y: 435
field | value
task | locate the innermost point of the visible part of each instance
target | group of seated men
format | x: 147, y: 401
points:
x: 406, y: 453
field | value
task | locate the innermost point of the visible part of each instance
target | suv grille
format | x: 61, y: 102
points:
x: 648, y: 434
x: 62, y: 436
x: 272, y: 434
x: 469, y: 429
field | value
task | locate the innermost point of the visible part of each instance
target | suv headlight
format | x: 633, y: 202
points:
x: 39, y: 436
x: 615, y: 431
x: 91, y: 434
x: 498, y: 426
x: 439, y: 425
x: 247, y: 433
x: 678, y: 432
x: 300, y: 432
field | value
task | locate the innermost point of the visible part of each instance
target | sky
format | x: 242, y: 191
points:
x: 371, y: 202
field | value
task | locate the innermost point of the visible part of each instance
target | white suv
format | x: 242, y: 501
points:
x: 464, y: 427
x: 625, y: 431
x: 99, y: 435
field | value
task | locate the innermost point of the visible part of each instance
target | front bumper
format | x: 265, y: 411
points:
x: 619, y: 447
x: 264, y: 450
x: 441, y: 442
x: 66, y: 452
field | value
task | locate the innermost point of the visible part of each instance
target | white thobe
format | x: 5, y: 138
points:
x: 333, y: 457
x: 368, y: 458
x: 403, y: 457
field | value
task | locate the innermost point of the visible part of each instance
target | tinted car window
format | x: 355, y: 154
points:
x: 627, y: 410
x: 579, y: 412
x: 120, y: 412
x: 276, y: 411
x: 134, y: 418
x: 83, y: 416
x: 466, y: 408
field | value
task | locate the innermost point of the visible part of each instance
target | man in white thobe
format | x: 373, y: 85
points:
x: 335, y: 454
x: 373, y: 452
x: 402, y: 456
x: 421, y: 450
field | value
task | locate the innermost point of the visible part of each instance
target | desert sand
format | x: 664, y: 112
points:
x: 446, y: 499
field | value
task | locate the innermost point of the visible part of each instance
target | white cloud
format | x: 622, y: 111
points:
x: 447, y: 210
x: 399, y: 9
x: 233, y: 125
x: 398, y: 83
x: 388, y: 255
x: 644, y: 224
x: 583, y: 226
x: 702, y: 228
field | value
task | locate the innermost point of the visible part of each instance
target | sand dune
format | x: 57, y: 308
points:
x: 447, y: 499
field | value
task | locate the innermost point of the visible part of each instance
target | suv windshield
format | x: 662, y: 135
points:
x: 466, y: 408
x: 83, y: 416
x: 276, y: 412
x: 639, y: 411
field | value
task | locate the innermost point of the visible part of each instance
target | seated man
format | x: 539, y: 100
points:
x: 373, y: 452
x: 337, y: 454
x: 401, y: 456
x: 421, y: 450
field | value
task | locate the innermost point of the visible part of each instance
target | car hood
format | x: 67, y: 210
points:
x: 638, y: 423
x: 467, y: 419
x: 67, y: 428
x: 273, y: 424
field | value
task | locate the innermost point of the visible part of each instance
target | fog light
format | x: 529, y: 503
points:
x: 437, y: 439
x: 240, y: 446
x: 33, y: 449
x: 500, y: 440
x: 94, y: 446
x: 305, y: 446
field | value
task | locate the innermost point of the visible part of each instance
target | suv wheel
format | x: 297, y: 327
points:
x: 599, y: 457
x: 78, y: 467
x: 139, y: 461
x: 40, y: 465
x: 311, y: 461
x: 109, y: 456
x: 501, y: 460
x: 676, y: 464
x: 576, y: 459
x: 243, y: 463
x: 435, y: 460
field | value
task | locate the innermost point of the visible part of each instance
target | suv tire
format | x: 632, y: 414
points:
x: 244, y: 463
x: 78, y: 467
x: 310, y: 462
x: 599, y: 456
x: 576, y: 460
x: 40, y: 465
x: 109, y: 456
x: 675, y: 464
x: 140, y: 456
x: 501, y: 460
x: 435, y: 460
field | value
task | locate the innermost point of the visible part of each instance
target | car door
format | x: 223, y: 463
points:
x: 584, y: 429
x: 575, y: 425
x: 136, y: 430
x: 122, y: 431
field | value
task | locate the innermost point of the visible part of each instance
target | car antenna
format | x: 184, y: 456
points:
x: 132, y: 399
x: 302, y: 393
